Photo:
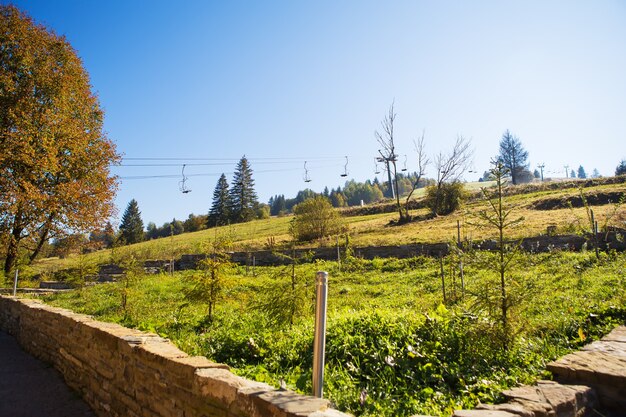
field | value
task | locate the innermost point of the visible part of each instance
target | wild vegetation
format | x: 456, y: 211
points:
x: 393, y: 346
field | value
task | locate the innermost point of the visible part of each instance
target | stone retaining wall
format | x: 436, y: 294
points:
x: 125, y: 372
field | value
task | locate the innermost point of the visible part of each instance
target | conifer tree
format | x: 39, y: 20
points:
x: 131, y: 228
x: 243, y: 198
x: 219, y: 214
x: 581, y: 172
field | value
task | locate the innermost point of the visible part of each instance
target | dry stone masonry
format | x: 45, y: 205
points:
x: 124, y: 372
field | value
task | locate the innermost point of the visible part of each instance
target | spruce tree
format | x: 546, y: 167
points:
x: 513, y: 156
x: 131, y: 228
x: 243, y: 198
x: 219, y: 214
x: 581, y: 172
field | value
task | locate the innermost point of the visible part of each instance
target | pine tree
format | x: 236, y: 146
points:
x: 219, y: 213
x: 243, y: 198
x: 131, y: 228
x: 513, y: 155
x: 581, y: 172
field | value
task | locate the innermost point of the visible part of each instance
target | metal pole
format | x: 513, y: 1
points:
x: 15, y: 282
x: 319, y: 341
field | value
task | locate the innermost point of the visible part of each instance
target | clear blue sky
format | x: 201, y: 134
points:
x: 312, y: 80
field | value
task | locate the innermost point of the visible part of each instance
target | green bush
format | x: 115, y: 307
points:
x: 445, y: 199
x: 315, y: 218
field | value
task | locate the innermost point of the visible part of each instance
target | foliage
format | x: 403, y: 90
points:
x: 392, y: 350
x: 513, y: 156
x: 243, y: 198
x: 621, y: 168
x: 131, y: 227
x: 287, y: 297
x: 209, y: 282
x: 445, y: 199
x: 55, y: 162
x: 219, y: 214
x: 499, y: 217
x: 581, y: 172
x: 314, y: 219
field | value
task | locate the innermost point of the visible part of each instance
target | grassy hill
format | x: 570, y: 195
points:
x: 377, y: 229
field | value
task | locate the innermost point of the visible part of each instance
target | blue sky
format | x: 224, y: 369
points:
x: 288, y: 82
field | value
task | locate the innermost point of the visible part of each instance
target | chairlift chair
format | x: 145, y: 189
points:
x: 345, y: 169
x: 182, y: 186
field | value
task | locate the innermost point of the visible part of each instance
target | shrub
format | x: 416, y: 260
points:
x: 315, y: 218
x: 445, y: 199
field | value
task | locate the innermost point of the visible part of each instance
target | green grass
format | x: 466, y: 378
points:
x: 392, y: 347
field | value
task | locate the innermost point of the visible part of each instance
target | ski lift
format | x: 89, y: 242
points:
x: 182, y: 186
x: 376, y: 170
x: 405, y: 159
x: 345, y: 169
x: 306, y: 173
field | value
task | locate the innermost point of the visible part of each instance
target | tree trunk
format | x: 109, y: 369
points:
x: 42, y: 238
x: 12, y: 247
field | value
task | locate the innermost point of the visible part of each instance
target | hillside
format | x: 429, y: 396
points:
x: 541, y: 205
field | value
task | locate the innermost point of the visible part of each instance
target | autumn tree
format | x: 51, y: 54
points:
x: 55, y: 163
x: 131, y: 227
x: 513, y: 156
x: 243, y: 198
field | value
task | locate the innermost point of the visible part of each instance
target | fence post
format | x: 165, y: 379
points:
x: 15, y: 282
x: 319, y: 341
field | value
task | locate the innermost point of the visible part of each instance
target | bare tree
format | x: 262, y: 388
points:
x: 388, y: 154
x: 451, y: 166
x: 422, y: 163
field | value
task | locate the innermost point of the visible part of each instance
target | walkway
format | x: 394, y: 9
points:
x: 30, y: 388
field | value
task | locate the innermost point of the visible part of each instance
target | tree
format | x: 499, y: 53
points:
x: 131, y: 227
x: 595, y: 173
x: 621, y: 168
x: 177, y: 227
x: 572, y: 174
x: 449, y: 168
x: 499, y: 216
x: 513, y: 155
x: 243, y: 199
x: 55, y: 162
x: 422, y: 163
x: 314, y: 219
x: 581, y: 172
x: 388, y: 155
x: 219, y: 214
x: 536, y: 174
x: 209, y: 282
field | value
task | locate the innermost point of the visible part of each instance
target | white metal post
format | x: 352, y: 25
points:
x: 319, y: 342
x: 15, y: 283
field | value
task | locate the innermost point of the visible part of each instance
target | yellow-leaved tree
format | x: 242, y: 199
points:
x: 55, y: 162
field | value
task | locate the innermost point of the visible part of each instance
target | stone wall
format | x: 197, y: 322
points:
x: 125, y: 372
